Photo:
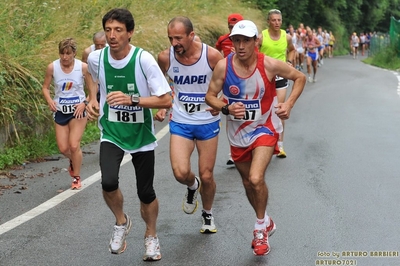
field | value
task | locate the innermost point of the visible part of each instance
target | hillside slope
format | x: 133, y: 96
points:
x: 34, y: 28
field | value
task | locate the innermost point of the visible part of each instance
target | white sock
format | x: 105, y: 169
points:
x: 195, y: 185
x: 208, y: 211
x: 280, y: 144
x: 267, y: 220
x: 260, y: 224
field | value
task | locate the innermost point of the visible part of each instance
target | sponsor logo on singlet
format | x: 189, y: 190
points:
x: 67, y: 86
x: 191, y: 97
x: 234, y: 90
x: 182, y: 80
x: 72, y: 100
x: 126, y: 107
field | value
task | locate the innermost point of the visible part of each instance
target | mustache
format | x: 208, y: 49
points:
x: 177, y: 47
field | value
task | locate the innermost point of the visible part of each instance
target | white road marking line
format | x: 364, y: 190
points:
x: 45, y: 206
x: 397, y: 74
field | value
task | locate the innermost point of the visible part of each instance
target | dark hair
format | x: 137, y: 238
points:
x: 185, y: 21
x: 121, y: 15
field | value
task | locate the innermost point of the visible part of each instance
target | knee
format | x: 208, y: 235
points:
x: 181, y: 174
x: 64, y: 150
x: 207, y: 181
x: 147, y: 196
x: 256, y: 181
x: 109, y: 185
x: 74, y: 147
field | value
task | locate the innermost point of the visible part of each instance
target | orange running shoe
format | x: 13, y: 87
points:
x: 76, y: 182
x: 260, y: 242
x: 271, y: 228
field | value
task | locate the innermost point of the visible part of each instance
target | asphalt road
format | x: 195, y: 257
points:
x: 334, y: 198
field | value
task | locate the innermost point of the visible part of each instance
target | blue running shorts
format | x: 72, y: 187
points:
x: 199, y: 132
x: 314, y: 56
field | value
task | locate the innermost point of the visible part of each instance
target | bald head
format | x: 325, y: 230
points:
x: 187, y: 24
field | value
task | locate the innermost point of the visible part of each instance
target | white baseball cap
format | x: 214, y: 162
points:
x: 246, y: 28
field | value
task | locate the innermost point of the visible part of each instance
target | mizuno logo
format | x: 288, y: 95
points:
x: 73, y: 100
x: 192, y: 97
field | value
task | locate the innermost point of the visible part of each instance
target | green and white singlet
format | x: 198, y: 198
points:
x: 129, y: 127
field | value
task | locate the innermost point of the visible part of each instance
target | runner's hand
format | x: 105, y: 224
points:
x: 92, y: 109
x: 212, y: 111
x: 160, y: 115
x: 79, y: 109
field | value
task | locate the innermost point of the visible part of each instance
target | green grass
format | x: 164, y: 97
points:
x: 31, y: 31
x: 388, y: 58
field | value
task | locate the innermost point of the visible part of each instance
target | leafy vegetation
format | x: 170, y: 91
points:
x: 342, y: 17
x: 386, y: 58
x: 31, y: 32
x: 32, y: 29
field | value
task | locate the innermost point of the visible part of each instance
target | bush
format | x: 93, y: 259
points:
x: 386, y: 58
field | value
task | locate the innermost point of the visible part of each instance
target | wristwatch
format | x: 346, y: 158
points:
x: 135, y: 100
x: 85, y: 102
x: 225, y: 110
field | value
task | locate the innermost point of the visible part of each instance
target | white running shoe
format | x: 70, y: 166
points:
x: 118, y: 243
x: 208, y: 226
x: 190, y: 202
x: 152, y: 246
x: 310, y: 79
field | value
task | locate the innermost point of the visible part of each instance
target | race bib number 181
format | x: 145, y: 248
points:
x: 125, y: 114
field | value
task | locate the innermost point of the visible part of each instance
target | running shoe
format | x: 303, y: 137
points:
x: 208, y: 226
x: 118, y: 243
x: 190, y: 202
x: 71, y: 169
x: 271, y: 228
x: 310, y: 79
x: 282, y: 153
x: 314, y: 80
x: 230, y: 162
x: 76, y: 182
x: 152, y: 246
x: 260, y: 242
